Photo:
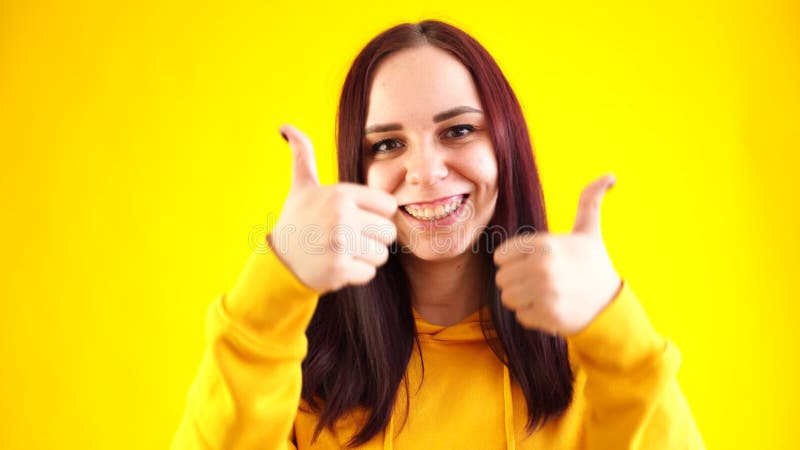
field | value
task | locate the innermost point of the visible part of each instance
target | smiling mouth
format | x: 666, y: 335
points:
x: 435, y: 210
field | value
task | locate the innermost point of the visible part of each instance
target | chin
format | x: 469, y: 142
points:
x: 430, y: 254
x: 437, y: 248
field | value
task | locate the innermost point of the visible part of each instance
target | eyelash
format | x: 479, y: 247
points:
x: 375, y: 147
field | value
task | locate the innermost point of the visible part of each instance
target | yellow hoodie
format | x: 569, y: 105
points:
x: 246, y: 394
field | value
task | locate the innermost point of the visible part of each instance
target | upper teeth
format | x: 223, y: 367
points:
x: 433, y: 212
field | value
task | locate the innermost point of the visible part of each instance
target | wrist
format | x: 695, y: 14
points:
x: 281, y: 254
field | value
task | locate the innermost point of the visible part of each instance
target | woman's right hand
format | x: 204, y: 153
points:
x: 330, y: 236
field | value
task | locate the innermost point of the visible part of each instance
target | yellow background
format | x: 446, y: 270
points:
x: 139, y: 148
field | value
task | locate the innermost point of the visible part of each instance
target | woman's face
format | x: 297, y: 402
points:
x: 428, y: 145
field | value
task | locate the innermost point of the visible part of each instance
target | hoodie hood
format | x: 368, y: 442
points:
x: 467, y: 330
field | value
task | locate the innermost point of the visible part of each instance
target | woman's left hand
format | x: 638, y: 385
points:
x: 560, y: 283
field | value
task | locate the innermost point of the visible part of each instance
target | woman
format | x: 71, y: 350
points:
x: 420, y: 302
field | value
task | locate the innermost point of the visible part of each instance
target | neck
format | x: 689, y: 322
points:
x: 445, y: 292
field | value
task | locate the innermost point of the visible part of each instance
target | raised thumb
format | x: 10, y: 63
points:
x: 587, y: 220
x: 304, y: 165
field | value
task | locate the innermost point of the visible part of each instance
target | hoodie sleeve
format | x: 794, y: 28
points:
x: 247, y: 389
x: 632, y: 396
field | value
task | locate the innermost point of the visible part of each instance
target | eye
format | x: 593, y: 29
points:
x: 459, y: 131
x: 385, y: 145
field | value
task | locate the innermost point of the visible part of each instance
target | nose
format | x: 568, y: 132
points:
x: 425, y: 165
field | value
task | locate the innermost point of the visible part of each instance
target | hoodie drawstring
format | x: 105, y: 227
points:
x: 508, y: 410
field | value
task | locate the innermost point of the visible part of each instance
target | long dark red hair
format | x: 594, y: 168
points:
x: 361, y: 338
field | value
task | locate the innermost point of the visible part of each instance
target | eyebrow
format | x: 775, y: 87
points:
x: 444, y: 115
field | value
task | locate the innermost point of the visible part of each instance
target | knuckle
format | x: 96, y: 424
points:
x: 496, y: 258
x: 339, y: 265
x: 391, y: 231
x: 383, y: 231
x: 502, y: 250
x: 382, y: 253
x: 500, y: 279
x: 509, y: 300
x: 365, y: 277
x: 526, y: 320
x: 337, y: 284
x: 504, y: 300
x: 369, y: 230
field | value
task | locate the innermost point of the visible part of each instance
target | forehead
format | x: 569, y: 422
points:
x: 417, y: 83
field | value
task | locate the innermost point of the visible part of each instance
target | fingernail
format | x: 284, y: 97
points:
x: 283, y: 135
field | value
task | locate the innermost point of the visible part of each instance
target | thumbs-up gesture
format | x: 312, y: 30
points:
x: 330, y: 236
x: 559, y: 283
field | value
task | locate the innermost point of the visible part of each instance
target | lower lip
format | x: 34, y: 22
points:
x: 435, y: 223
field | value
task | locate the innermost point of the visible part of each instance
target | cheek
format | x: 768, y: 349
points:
x: 484, y: 169
x: 373, y: 176
x: 381, y: 176
x: 489, y: 175
x: 490, y: 169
